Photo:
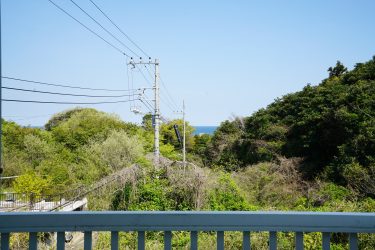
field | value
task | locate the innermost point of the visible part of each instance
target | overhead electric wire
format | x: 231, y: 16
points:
x: 149, y: 72
x: 119, y: 29
x: 166, y: 89
x: 148, y: 81
x: 53, y: 102
x: 93, y: 32
x: 173, y: 110
x: 67, y: 86
x: 128, y: 78
x: 147, y: 100
x: 167, y: 102
x: 64, y: 94
x: 25, y: 118
x: 108, y: 32
x: 132, y: 85
x: 144, y: 77
x: 166, y: 120
x: 169, y: 99
x: 22, y: 116
x: 147, y: 105
x: 140, y: 70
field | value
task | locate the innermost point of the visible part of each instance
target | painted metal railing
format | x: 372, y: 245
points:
x: 141, y: 222
x: 28, y: 202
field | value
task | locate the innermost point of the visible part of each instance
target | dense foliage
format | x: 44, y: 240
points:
x: 330, y: 126
x: 77, y: 147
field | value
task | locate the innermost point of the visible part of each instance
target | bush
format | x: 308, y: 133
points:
x: 168, y: 150
x: 226, y: 196
x: 270, y: 185
x: 86, y: 124
x: 360, y: 179
x: 117, y: 151
x: 30, y: 183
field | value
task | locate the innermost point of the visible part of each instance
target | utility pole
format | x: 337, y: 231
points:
x: 184, y: 134
x: 156, y: 114
x: 184, y: 140
x: 156, y: 100
x: 1, y: 115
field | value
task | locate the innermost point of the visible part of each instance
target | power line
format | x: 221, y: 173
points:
x: 148, y: 81
x: 145, y: 100
x: 149, y: 72
x: 169, y: 95
x: 132, y: 85
x: 64, y: 94
x: 22, y: 116
x: 66, y: 86
x: 93, y: 32
x: 169, y: 98
x: 25, y: 118
x: 166, y: 101
x: 127, y: 74
x: 144, y: 77
x: 119, y: 28
x: 172, y: 106
x: 108, y: 32
x: 172, y: 109
x: 52, y: 102
x: 147, y: 105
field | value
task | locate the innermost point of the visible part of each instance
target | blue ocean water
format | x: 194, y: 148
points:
x: 204, y: 130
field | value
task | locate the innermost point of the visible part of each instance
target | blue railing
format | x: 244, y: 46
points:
x: 246, y: 222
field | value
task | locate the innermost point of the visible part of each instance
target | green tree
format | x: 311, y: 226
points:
x: 338, y: 70
x: 329, y: 126
x: 201, y: 143
x: 85, y: 124
x: 37, y: 149
x: 168, y: 135
x: 147, y: 122
x: 117, y: 151
x: 31, y: 183
x: 222, y: 149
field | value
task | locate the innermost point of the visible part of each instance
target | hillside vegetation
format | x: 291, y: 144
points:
x: 330, y: 127
x: 312, y: 150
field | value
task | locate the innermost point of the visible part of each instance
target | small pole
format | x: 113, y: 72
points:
x: 156, y: 115
x: 1, y: 97
x: 184, y: 140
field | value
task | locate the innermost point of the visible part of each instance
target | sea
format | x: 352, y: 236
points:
x: 204, y: 130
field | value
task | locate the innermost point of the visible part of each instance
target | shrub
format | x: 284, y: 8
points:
x: 31, y: 183
x: 227, y: 196
x: 117, y: 151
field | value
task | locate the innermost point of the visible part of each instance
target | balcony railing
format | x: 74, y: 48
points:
x: 194, y: 222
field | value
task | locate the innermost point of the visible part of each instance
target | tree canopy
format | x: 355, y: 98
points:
x: 331, y: 126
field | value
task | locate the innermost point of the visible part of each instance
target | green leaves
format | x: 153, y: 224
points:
x: 328, y: 125
x: 85, y: 124
x: 226, y: 196
x: 79, y: 146
x: 31, y: 183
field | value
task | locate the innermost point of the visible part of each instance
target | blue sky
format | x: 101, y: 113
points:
x: 222, y: 57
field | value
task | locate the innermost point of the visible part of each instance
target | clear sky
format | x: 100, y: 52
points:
x: 222, y: 57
